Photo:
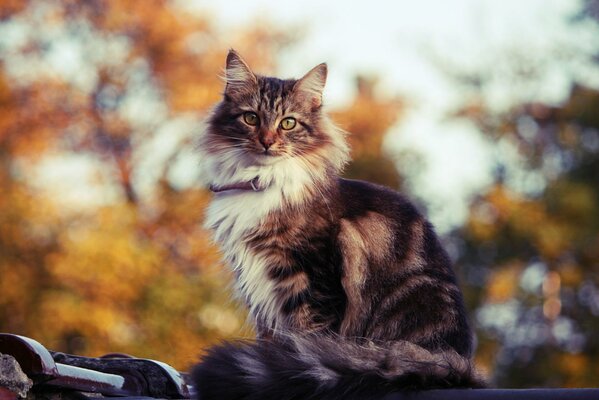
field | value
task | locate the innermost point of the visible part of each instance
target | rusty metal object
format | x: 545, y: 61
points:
x: 6, y: 394
x: 154, y: 378
x: 124, y: 376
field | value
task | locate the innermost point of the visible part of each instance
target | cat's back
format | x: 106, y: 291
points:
x: 361, y: 197
x: 395, y: 265
x: 390, y: 230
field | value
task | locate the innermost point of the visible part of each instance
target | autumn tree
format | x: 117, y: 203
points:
x: 116, y: 259
x: 367, y: 120
x: 529, y: 248
x: 101, y: 241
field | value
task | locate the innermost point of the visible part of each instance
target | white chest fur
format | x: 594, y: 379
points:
x: 235, y: 214
x: 232, y: 216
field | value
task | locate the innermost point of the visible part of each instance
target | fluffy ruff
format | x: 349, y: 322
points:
x: 327, y: 368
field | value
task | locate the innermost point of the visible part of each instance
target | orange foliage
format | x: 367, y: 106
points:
x: 575, y: 368
x: 367, y: 120
x: 503, y: 283
x: 532, y: 248
x: 529, y: 219
x: 132, y: 271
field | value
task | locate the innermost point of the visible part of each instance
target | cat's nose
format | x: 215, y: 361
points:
x: 267, y: 140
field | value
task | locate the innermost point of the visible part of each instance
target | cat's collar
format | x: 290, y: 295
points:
x: 252, y: 185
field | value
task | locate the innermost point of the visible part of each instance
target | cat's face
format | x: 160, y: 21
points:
x: 269, y: 119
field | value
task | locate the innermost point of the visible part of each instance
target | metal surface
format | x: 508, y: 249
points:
x: 33, y: 358
x: 498, y: 394
x: 155, y: 378
x: 90, y: 381
x: 121, y: 376
x: 39, y: 365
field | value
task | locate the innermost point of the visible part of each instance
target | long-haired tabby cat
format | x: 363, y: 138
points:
x: 350, y: 290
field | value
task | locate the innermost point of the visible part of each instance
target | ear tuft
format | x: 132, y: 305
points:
x: 239, y: 78
x: 312, y: 84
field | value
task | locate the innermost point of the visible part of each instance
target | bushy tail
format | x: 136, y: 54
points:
x: 326, y: 368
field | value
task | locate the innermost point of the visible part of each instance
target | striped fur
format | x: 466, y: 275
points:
x: 346, y: 282
x: 326, y: 368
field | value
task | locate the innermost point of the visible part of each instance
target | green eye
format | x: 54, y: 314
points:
x: 288, y: 123
x: 250, y: 118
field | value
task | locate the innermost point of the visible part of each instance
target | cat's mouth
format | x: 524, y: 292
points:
x: 268, y: 156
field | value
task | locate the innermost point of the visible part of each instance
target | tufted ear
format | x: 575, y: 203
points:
x: 312, y: 85
x: 239, y: 78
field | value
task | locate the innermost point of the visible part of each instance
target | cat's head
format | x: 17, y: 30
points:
x: 264, y: 120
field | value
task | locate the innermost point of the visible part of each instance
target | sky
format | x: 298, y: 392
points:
x: 407, y: 44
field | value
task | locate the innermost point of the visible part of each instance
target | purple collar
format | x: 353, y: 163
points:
x: 251, y: 185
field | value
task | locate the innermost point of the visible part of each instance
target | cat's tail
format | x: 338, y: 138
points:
x: 326, y: 368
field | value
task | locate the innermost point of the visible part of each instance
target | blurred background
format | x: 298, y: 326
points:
x: 485, y: 113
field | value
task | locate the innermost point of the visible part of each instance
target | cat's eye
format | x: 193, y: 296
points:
x: 288, y: 123
x: 250, y: 118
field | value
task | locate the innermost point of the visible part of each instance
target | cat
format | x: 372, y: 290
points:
x: 350, y: 290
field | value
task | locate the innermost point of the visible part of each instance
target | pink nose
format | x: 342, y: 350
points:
x: 267, y: 140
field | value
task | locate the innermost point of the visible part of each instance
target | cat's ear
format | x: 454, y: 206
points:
x: 312, y: 84
x: 238, y: 76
